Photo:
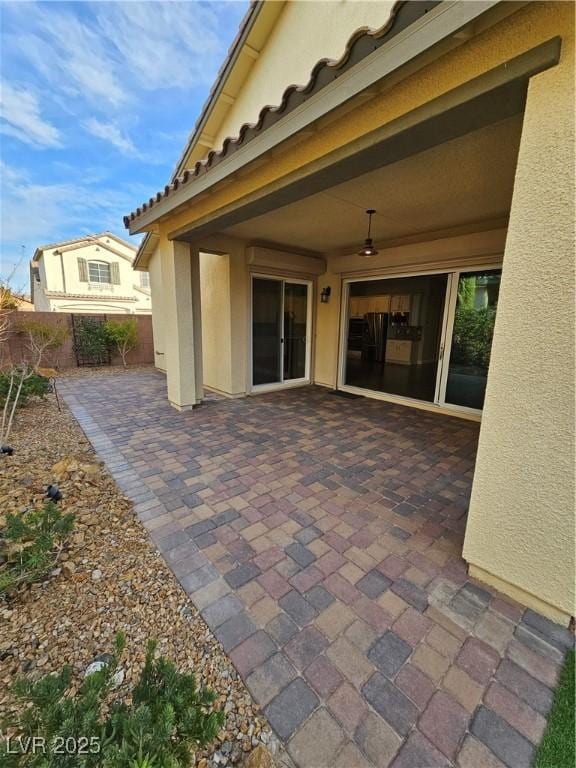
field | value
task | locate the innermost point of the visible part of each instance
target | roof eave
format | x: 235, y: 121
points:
x: 417, y: 26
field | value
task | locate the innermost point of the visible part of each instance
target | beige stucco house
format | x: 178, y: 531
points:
x: 90, y: 274
x: 454, y: 123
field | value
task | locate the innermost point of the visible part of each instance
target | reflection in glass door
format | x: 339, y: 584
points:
x: 280, y: 331
x: 266, y: 330
x: 295, y: 322
x: 472, y: 331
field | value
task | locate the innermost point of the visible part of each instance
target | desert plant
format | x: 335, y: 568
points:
x: 14, y: 384
x: 165, y: 721
x: 123, y: 335
x: 30, y: 544
x: 42, y: 336
x: 35, y: 385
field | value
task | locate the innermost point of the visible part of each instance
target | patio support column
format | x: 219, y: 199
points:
x: 520, y: 533
x: 182, y: 323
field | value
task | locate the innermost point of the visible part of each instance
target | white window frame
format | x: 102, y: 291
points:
x: 99, y: 264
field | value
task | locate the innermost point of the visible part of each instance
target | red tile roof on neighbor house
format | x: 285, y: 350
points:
x: 363, y: 42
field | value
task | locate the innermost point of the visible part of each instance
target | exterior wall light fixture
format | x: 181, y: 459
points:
x: 325, y: 294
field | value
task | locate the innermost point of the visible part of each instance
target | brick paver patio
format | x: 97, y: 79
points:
x: 320, y: 538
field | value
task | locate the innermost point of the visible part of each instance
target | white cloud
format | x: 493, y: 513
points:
x: 112, y: 134
x: 34, y: 212
x: 21, y: 117
x: 115, y: 50
x: 164, y: 44
x: 71, y: 55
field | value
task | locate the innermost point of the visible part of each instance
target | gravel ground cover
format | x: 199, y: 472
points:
x: 111, y: 578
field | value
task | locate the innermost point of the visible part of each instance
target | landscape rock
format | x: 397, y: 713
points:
x: 260, y: 758
x: 112, y: 580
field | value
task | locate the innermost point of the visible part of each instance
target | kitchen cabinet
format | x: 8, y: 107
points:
x: 399, y: 304
x: 361, y: 305
x: 399, y: 351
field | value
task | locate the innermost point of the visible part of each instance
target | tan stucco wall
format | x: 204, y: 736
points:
x: 180, y: 275
x: 158, y: 319
x: 216, y: 323
x: 521, y: 524
x: 304, y: 33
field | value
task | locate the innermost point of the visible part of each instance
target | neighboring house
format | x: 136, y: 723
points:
x: 23, y: 304
x: 454, y: 122
x: 92, y: 273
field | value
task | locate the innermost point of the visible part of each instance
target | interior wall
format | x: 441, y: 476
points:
x: 520, y: 533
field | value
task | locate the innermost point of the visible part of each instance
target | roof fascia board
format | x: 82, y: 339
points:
x: 440, y: 23
x: 87, y: 243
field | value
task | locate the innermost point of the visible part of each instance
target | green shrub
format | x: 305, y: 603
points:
x: 33, y: 386
x: 123, y: 335
x: 472, y: 340
x: 91, y: 340
x: 167, y: 719
x: 29, y: 544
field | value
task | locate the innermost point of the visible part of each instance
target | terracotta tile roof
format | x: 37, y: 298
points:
x: 363, y: 42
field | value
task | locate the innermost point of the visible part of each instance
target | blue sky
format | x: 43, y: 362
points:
x: 97, y: 100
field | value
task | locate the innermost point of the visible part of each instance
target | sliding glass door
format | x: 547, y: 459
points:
x: 280, y: 331
x: 424, y: 337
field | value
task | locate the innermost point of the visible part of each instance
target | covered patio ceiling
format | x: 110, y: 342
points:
x: 464, y: 184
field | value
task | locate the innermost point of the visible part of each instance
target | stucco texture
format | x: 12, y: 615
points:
x: 521, y: 524
x: 304, y: 33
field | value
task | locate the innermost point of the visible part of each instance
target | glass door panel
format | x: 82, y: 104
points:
x: 473, y: 328
x: 266, y: 331
x: 295, y: 328
x: 393, y: 335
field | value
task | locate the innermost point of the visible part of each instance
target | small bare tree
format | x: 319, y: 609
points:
x: 42, y: 336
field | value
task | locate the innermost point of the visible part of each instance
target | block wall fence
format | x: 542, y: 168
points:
x: 15, y: 348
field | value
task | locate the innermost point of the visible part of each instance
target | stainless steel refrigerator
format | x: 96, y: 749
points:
x: 375, y: 333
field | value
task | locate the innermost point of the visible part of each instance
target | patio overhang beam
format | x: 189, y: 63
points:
x: 489, y: 98
x: 437, y: 26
